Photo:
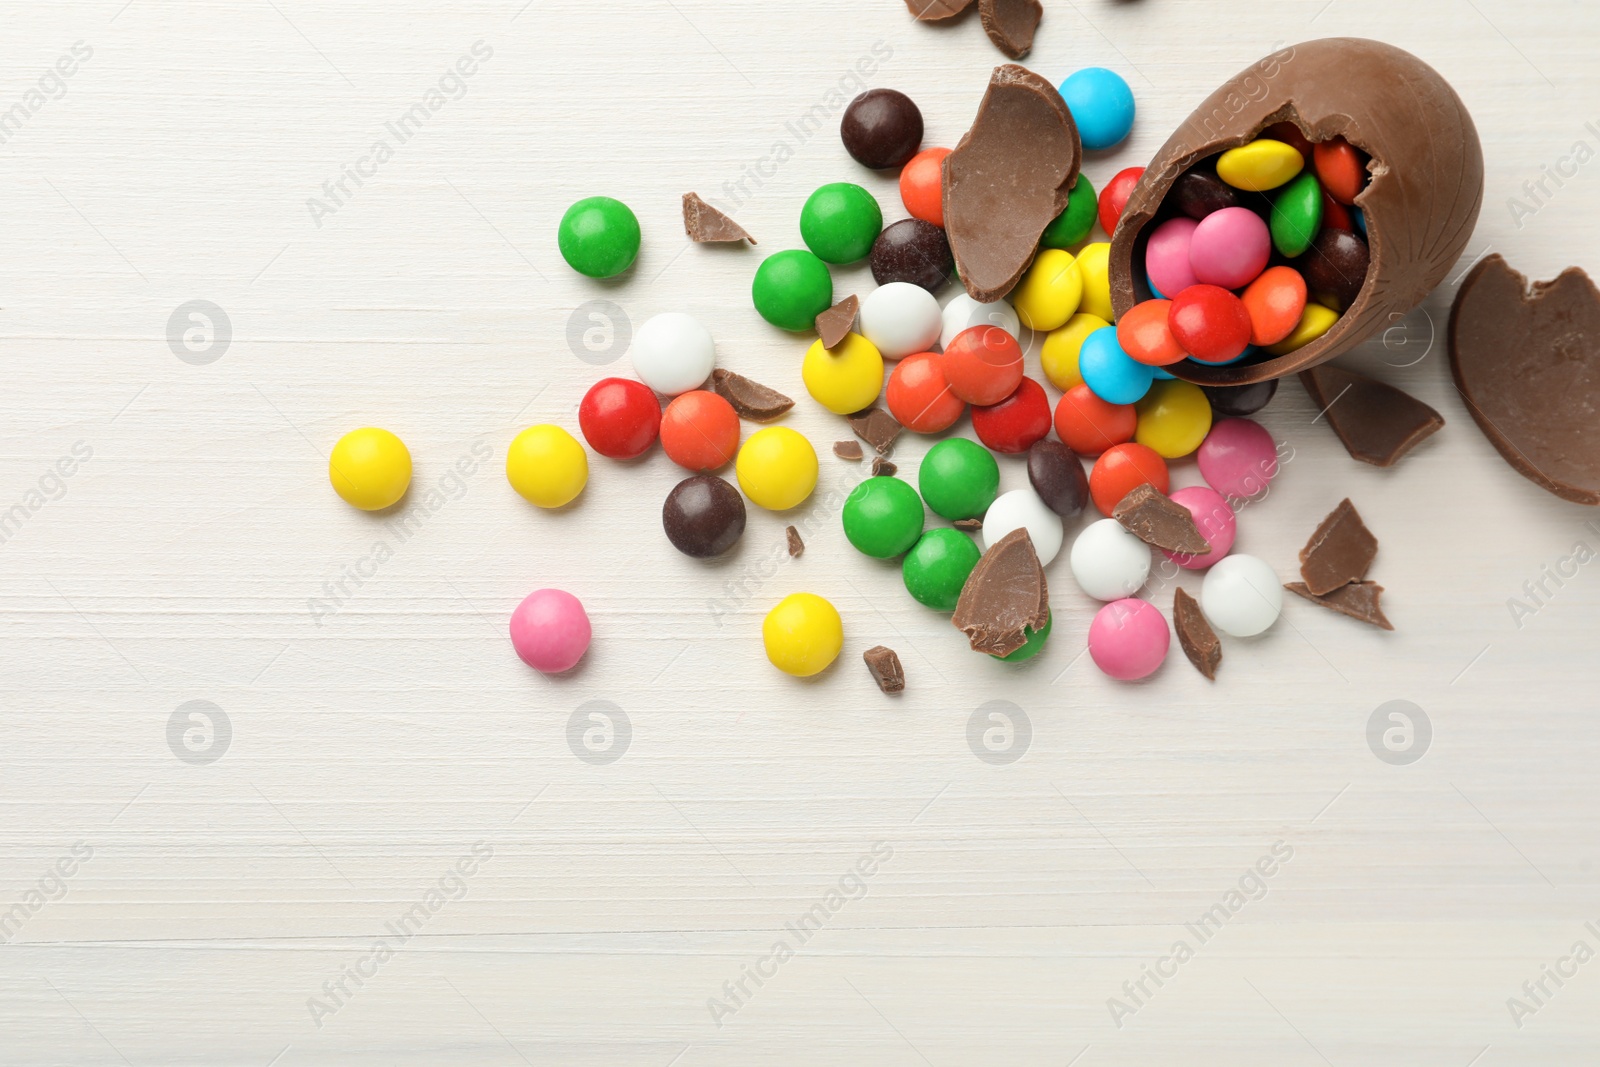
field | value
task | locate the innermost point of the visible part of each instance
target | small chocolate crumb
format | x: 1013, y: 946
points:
x: 1153, y: 517
x: 835, y: 324
x: 876, y: 427
x: 850, y: 450
x: 937, y: 10
x: 1004, y: 597
x: 968, y: 524
x: 1011, y: 24
x: 706, y: 225
x: 796, y: 546
x: 1341, y: 551
x: 751, y: 400
x: 1359, y: 600
x: 885, y: 667
x: 882, y: 468
x: 1375, y: 422
x: 1199, y: 640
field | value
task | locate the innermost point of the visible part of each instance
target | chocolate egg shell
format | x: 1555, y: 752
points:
x: 1420, y: 205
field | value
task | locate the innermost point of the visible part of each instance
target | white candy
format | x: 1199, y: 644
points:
x: 1241, y: 596
x: 1022, y: 509
x: 673, y: 353
x: 1109, y: 562
x: 900, y: 318
x: 964, y: 312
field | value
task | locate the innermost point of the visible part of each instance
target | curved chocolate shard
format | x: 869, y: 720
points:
x: 937, y: 10
x: 835, y: 324
x: 1200, y: 642
x: 1375, y: 422
x: 1008, y: 179
x: 751, y: 399
x: 1359, y: 600
x: 1420, y: 206
x: 1011, y: 24
x: 1527, y: 362
x: 1005, y: 596
x: 1154, y: 518
x: 706, y: 225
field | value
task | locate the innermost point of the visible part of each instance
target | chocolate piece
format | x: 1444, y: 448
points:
x: 1058, y: 478
x: 968, y: 524
x: 1359, y: 600
x: 937, y: 10
x: 1527, y: 362
x: 796, y: 546
x: 1336, y: 264
x: 1152, y: 517
x: 1420, y: 206
x: 1008, y: 178
x: 835, y: 324
x: 1341, y: 551
x: 706, y: 225
x: 1197, y: 193
x: 1235, y: 401
x: 703, y: 516
x: 876, y: 427
x: 1011, y: 24
x: 850, y: 450
x: 751, y: 400
x: 882, y: 129
x: 1200, y: 642
x: 885, y: 667
x: 1004, y: 597
x: 882, y: 468
x: 914, y: 251
x: 1375, y: 422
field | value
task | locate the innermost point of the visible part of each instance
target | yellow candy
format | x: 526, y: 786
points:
x: 1059, y: 354
x: 777, y: 467
x: 1174, y: 417
x: 1094, y: 263
x: 1316, y: 321
x: 1049, y: 293
x: 803, y: 634
x: 547, y: 466
x: 1260, y: 165
x: 1327, y: 300
x: 370, y: 468
x: 845, y: 379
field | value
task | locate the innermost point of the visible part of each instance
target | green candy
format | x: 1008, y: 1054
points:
x: 599, y: 237
x: 1075, y: 220
x: 1033, y: 642
x: 1297, y: 215
x: 938, y: 566
x: 883, y: 517
x: 959, y: 479
x: 791, y: 289
x: 840, y: 222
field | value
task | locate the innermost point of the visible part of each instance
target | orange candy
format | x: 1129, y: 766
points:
x: 1275, y: 302
x: 919, y: 397
x: 700, y: 431
x: 1088, y: 425
x: 983, y: 364
x: 1144, y: 334
x: 1123, y: 469
x: 922, y: 185
x: 1340, y: 168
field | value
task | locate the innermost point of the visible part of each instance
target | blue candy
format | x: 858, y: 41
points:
x: 1155, y: 294
x: 1101, y: 104
x: 1162, y: 374
x: 1109, y: 372
x: 1359, y: 220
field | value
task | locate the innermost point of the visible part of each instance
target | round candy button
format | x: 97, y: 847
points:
x: 1238, y: 458
x: 547, y: 466
x: 1174, y: 418
x: 370, y: 468
x: 1115, y: 198
x: 959, y: 479
x: 1166, y: 257
x: 1109, y: 562
x: 550, y: 630
x: 1230, y: 247
x: 1014, y: 424
x: 1075, y: 220
x: 840, y: 221
x: 1215, y: 520
x: 703, y: 516
x: 1145, y: 335
x: 1210, y: 323
x: 1274, y: 301
x: 673, y: 353
x: 901, y: 318
x: 1062, y: 347
x: 919, y: 397
x: 1120, y: 470
x: 983, y: 365
x: 922, y: 185
x: 882, y: 129
x: 1102, y: 106
x: 963, y: 313
x: 1128, y: 639
x: 937, y: 567
x: 700, y: 431
x: 845, y: 378
x: 883, y: 517
x: 777, y: 468
x: 1094, y: 263
x: 1089, y: 425
x: 599, y: 237
x: 620, y: 418
x: 1241, y: 596
x: 1111, y: 373
x: 1021, y: 509
x: 802, y: 635
x: 1049, y: 292
x: 791, y: 289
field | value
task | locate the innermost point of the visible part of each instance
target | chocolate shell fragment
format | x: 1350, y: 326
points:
x: 968, y: 524
x: 876, y: 427
x: 1011, y: 24
x: 1359, y: 600
x: 835, y: 324
x: 1341, y: 551
x: 884, y: 664
x: 937, y: 10
x: 1527, y: 363
x: 1153, y: 517
x: 1008, y: 179
x: 850, y: 450
x: 751, y: 400
x: 1005, y: 596
x: 796, y: 545
x: 1200, y: 642
x: 882, y: 468
x: 706, y: 225
x: 1375, y: 422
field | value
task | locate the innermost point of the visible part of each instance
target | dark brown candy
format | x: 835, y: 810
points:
x: 1004, y: 597
x: 836, y: 323
x: 1234, y: 401
x: 1011, y: 24
x: 751, y: 400
x: 706, y: 225
x: 1008, y: 178
x: 882, y: 129
x: 1341, y: 551
x: 1375, y: 422
x: 796, y: 545
x: 1197, y: 193
x: 914, y: 251
x: 886, y: 669
x: 1057, y: 476
x: 703, y: 516
x: 1527, y: 363
x: 1420, y: 206
x: 876, y: 427
x: 1359, y: 600
x: 882, y: 468
x: 1199, y: 641
x: 937, y: 10
x: 1154, y: 518
x: 850, y: 450
x: 1336, y: 264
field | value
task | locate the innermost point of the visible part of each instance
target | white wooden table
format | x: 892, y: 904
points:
x: 358, y: 754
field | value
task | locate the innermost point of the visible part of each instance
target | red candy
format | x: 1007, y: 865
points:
x: 1088, y: 425
x: 1274, y: 301
x: 1340, y: 168
x: 1210, y: 323
x: 1014, y: 424
x: 1144, y: 334
x: 1123, y: 469
x: 1335, y: 216
x: 983, y: 364
x: 922, y: 185
x: 620, y: 418
x: 700, y: 431
x: 919, y: 397
x: 1114, y: 197
x: 1289, y: 133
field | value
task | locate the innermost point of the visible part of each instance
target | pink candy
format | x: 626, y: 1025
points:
x: 1128, y: 639
x: 550, y: 630
x: 1166, y: 257
x: 1238, y: 458
x: 1216, y: 521
x: 1229, y: 248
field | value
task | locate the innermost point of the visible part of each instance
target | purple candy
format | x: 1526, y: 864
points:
x: 1238, y: 458
x: 1229, y: 248
x: 1166, y: 257
x: 1215, y: 518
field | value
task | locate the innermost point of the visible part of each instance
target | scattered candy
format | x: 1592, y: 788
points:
x: 912, y: 251
x: 703, y: 516
x: 1021, y: 509
x: 845, y: 378
x: 983, y: 365
x: 963, y: 313
x: 1115, y: 197
x: 704, y: 224
x: 1210, y: 323
x: 1121, y: 469
x: 883, y: 517
x: 791, y: 289
x: 1143, y: 333
x: 803, y: 634
x: 919, y: 397
x: 550, y: 630
x: 599, y: 237
x: 620, y: 418
x: 750, y: 399
x: 937, y: 567
x: 901, y: 318
x: 922, y: 185
x: 1089, y: 425
x: 777, y: 468
x: 1059, y: 353
x: 1159, y: 521
x: 1238, y: 458
x: 1101, y: 104
x: 1340, y: 551
x: 1195, y: 636
x: 1215, y: 520
x: 1128, y: 639
x: 1108, y: 562
x: 1230, y: 247
x: 1058, y: 478
x: 1075, y: 220
x: 1094, y: 263
x: 1109, y: 371
x: 882, y: 129
x: 1050, y: 291
x: 673, y: 353
x: 1173, y: 419
x: 1005, y: 596
x: 700, y: 431
x: 840, y: 222
x: 835, y: 324
x: 884, y: 665
x: 1275, y: 302
x: 1241, y: 596
x: 547, y: 466
x: 959, y: 479
x: 1014, y: 424
x: 1260, y: 165
x: 370, y: 468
